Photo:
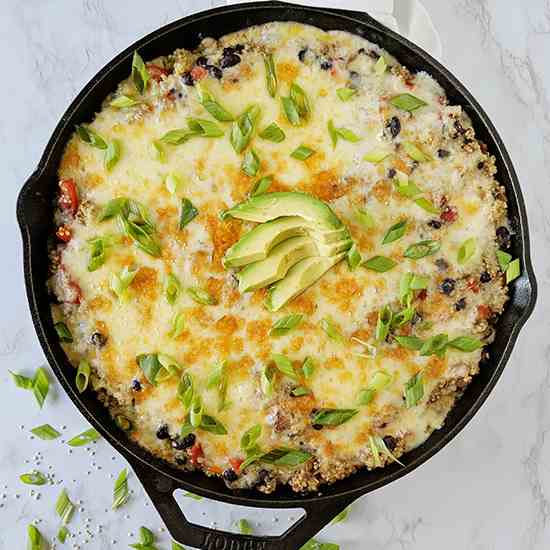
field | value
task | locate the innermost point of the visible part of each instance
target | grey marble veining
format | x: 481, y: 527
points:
x: 487, y: 490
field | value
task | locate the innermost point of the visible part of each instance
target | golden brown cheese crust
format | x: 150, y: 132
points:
x: 460, y: 299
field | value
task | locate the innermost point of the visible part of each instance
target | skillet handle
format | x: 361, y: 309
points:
x: 160, y: 489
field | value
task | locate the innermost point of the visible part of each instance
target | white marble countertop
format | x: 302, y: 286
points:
x: 488, y: 489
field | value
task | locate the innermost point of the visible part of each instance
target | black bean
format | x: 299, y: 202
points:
x: 229, y: 50
x: 239, y: 48
x: 216, y: 72
x: 503, y: 237
x: 394, y: 124
x: 373, y: 54
x: 459, y: 128
x: 326, y: 64
x: 317, y: 426
x: 480, y: 165
x: 188, y: 441
x: 391, y: 173
x: 201, y: 61
x: 460, y: 304
x: 230, y: 475
x: 448, y: 286
x: 390, y: 442
x: 179, y: 444
x: 188, y: 79
x: 485, y: 277
x: 136, y: 385
x: 302, y: 54
x: 229, y: 60
x: 98, y: 339
x: 181, y: 460
x: 441, y: 264
x: 436, y: 224
x: 443, y: 153
x: 263, y: 475
x: 162, y: 432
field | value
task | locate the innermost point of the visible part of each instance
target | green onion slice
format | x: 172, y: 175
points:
x: 272, y: 133
x: 284, y: 364
x: 427, y: 205
x: 302, y: 152
x: 251, y: 163
x: 467, y: 250
x: 87, y: 135
x: 172, y: 182
x: 243, y: 128
x: 308, y: 367
x: 218, y: 379
x: 415, y: 152
x: 331, y: 329
x: 414, y: 390
x: 261, y: 186
x: 83, y: 376
x: 267, y: 380
x: 196, y: 411
x: 270, y: 75
x: 35, y: 539
x: 422, y: 249
x: 45, y: 432
x: 377, y: 155
x: 465, y: 343
x: 364, y: 218
x: 120, y: 490
x: 121, y: 282
x: 379, y: 263
x: 140, y: 75
x: 63, y: 332
x: 188, y: 212
x: 201, y: 296
x: 178, y: 325
x: 157, y: 151
x: 345, y: 94
x: 40, y: 386
x: 383, y: 323
x: 23, y: 382
x: 124, y: 102
x: 410, y: 342
x: 503, y: 259
x: 353, y: 257
x: 513, y: 270
x: 172, y: 288
x: 395, y: 232
x: 244, y: 527
x: 62, y: 534
x: 286, y: 324
x: 407, y: 102
x: 435, y: 345
x: 84, y: 438
x: 212, y: 425
x: 300, y: 391
x: 34, y: 478
x: 205, y: 128
x: 206, y: 99
x: 64, y: 507
x: 380, y: 66
x: 333, y: 417
x: 250, y: 438
x: 112, y: 154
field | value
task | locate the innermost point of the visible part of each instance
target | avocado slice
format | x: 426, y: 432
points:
x: 275, y: 266
x: 268, y: 206
x: 256, y: 244
x: 299, y: 277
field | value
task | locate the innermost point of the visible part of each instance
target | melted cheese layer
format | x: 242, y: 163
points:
x: 236, y: 330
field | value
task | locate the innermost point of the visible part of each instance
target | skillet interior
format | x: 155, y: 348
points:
x: 35, y: 214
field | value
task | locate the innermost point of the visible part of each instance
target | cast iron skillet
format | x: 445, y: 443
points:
x: 35, y: 215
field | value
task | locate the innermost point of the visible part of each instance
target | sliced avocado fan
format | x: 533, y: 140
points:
x: 268, y: 206
x: 297, y: 240
x: 299, y: 277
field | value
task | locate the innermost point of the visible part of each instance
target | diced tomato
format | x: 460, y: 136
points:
x: 198, y: 73
x: 195, y: 453
x: 77, y: 291
x: 236, y: 463
x: 473, y: 285
x: 215, y: 469
x: 68, y: 199
x: 422, y: 295
x: 449, y: 214
x: 63, y: 233
x: 156, y: 72
x: 483, y: 311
